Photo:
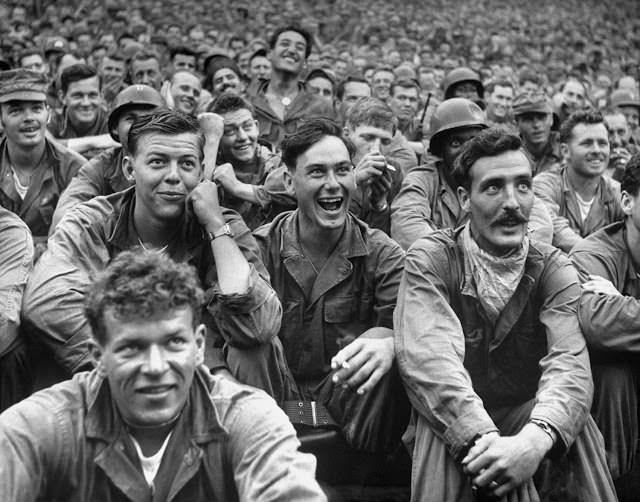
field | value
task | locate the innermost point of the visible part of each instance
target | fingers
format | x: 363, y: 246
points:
x: 340, y: 359
x: 372, y: 381
x: 480, y: 446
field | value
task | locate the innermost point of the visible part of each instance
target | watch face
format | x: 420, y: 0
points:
x: 286, y: 101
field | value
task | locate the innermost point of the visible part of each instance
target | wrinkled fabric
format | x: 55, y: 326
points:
x: 16, y: 263
x: 68, y: 443
x: 494, y: 278
x: 611, y: 326
x: 102, y: 175
x: 459, y: 367
x: 52, y: 175
x: 456, y: 363
x: 580, y: 475
x: 554, y: 189
x: 94, y: 232
x: 272, y: 128
x: 354, y: 291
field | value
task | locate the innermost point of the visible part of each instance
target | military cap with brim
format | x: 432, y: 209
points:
x: 622, y: 97
x: 22, y: 85
x: 531, y: 102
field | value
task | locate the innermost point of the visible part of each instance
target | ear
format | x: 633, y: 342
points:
x: 127, y: 168
x: 60, y: 96
x: 287, y: 178
x: 564, y: 150
x: 627, y: 203
x: 200, y: 334
x: 257, y: 126
x: 463, y: 198
x: 346, y: 131
x: 96, y: 352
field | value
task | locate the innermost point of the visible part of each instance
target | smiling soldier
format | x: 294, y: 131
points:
x: 172, y: 209
x: 490, y: 349
x: 150, y: 422
x: 580, y: 199
x: 33, y: 170
x: 338, y: 280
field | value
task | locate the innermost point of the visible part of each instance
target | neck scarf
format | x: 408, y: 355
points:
x: 495, y: 277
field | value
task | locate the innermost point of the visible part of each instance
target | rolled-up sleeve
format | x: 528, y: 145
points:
x: 253, y: 317
x: 430, y: 349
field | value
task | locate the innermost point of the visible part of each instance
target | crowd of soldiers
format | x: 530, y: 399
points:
x: 307, y: 251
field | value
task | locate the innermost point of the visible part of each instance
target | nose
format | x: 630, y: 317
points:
x: 510, y: 197
x: 331, y: 182
x: 376, y: 145
x: 155, y: 362
x: 242, y: 134
x: 173, y: 173
x: 85, y: 100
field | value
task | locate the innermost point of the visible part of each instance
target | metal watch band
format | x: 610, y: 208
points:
x: 224, y: 230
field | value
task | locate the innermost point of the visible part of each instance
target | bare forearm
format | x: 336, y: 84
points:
x: 231, y: 265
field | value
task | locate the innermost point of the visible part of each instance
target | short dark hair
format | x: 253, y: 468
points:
x: 630, y: 181
x: 75, y: 73
x: 144, y: 55
x: 139, y: 284
x: 487, y: 143
x: 490, y: 87
x: 308, y: 134
x: 388, y: 69
x: 579, y: 117
x: 164, y: 121
x: 181, y: 49
x: 229, y: 102
x: 115, y: 55
x: 529, y: 75
x: 405, y: 83
x: 343, y: 83
x: 293, y: 27
x: 372, y: 112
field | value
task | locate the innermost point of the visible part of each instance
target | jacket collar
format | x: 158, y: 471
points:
x: 124, y: 235
x: 199, y: 415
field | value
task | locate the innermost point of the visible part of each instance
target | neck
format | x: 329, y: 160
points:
x: 633, y: 241
x: 585, y: 186
x: 151, y: 439
x: 318, y: 242
x: 152, y: 231
x: 283, y: 83
x: 25, y: 159
x: 536, y: 149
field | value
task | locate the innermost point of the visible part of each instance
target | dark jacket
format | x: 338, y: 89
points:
x: 559, y: 196
x: 230, y: 443
x: 51, y: 177
x: 456, y: 363
x: 609, y: 323
x: 355, y: 290
x: 304, y: 106
x: 86, y: 240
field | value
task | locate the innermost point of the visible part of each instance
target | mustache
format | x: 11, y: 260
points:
x: 511, y: 216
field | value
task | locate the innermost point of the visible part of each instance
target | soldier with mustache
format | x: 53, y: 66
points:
x: 490, y: 349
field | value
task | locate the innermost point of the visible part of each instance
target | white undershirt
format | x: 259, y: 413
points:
x: 20, y: 188
x: 150, y: 465
x: 584, y: 205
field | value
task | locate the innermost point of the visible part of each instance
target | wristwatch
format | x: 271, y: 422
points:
x: 546, y: 428
x: 224, y: 230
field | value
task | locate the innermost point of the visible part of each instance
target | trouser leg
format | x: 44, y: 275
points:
x: 264, y: 367
x: 373, y: 422
x: 615, y: 411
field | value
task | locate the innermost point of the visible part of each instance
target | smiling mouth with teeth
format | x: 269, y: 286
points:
x: 330, y: 204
